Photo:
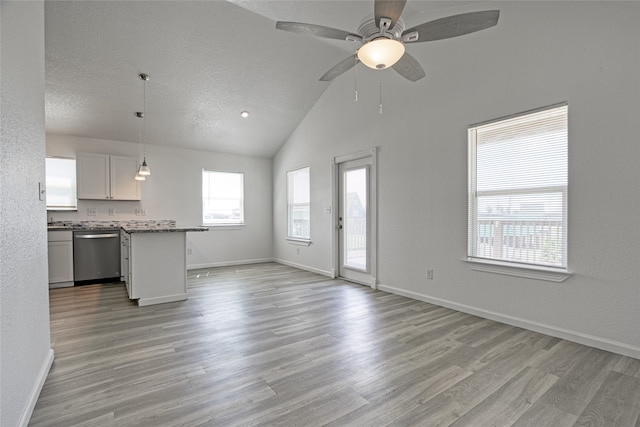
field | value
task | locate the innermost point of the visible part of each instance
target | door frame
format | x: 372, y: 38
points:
x: 373, y: 212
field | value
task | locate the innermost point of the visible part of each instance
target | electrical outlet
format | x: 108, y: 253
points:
x: 112, y: 211
x: 188, y: 251
x: 92, y: 211
x: 143, y: 212
x: 137, y: 212
x: 298, y: 251
x: 430, y: 274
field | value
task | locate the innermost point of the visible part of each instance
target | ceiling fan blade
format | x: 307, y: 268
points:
x: 340, y: 68
x: 452, y: 26
x: 317, y: 30
x: 409, y: 68
x: 391, y: 9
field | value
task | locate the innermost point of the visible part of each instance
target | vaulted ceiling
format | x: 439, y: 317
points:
x: 208, y: 61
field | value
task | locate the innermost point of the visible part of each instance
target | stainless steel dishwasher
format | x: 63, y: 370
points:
x: 96, y: 256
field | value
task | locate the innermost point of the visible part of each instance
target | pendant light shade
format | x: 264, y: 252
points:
x: 144, y: 168
x: 381, y: 53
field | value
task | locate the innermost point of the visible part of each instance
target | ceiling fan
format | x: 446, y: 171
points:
x: 383, y: 37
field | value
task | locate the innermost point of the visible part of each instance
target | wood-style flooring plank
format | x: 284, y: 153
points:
x: 267, y: 344
x: 617, y: 402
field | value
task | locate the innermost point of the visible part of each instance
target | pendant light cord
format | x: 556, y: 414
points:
x: 144, y: 120
x: 140, y: 140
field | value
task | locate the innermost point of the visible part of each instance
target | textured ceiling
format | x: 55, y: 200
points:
x: 208, y: 61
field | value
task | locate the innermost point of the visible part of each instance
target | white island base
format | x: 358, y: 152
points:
x: 157, y: 267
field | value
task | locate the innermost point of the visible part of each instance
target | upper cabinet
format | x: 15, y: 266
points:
x: 123, y: 184
x: 105, y: 177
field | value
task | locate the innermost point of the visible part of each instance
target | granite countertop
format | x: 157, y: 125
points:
x: 161, y: 229
x: 131, y: 226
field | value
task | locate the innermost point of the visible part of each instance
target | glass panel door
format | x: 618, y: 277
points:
x: 354, y: 220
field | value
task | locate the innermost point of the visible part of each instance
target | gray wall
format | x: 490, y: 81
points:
x: 541, y: 53
x: 25, y: 353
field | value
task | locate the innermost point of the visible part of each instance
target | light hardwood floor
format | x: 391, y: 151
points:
x: 267, y: 344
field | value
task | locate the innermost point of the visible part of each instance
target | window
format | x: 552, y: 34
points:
x: 222, y: 198
x: 518, y: 189
x: 61, y: 184
x: 298, y: 204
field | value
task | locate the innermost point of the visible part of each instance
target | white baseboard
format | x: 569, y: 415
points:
x: 60, y: 285
x: 161, y: 300
x: 228, y: 263
x: 328, y: 273
x: 35, y: 391
x: 578, y: 337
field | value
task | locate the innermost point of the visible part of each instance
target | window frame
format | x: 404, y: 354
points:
x: 290, y: 205
x: 223, y: 222
x: 535, y: 270
x: 48, y: 186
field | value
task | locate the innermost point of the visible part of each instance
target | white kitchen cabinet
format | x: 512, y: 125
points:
x: 60, y: 254
x: 157, y: 270
x: 122, y: 180
x: 125, y: 254
x: 107, y: 177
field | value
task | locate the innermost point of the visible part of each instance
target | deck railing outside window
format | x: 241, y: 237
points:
x: 527, y: 242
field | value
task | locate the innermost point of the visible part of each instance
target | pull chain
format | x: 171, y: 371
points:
x: 380, y: 91
x: 355, y: 92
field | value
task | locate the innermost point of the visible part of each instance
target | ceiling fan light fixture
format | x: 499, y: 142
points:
x: 381, y: 53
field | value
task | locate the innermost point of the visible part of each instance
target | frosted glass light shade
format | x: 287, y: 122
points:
x: 381, y: 53
x: 139, y: 177
x: 144, y: 168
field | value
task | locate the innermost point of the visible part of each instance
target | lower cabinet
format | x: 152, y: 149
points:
x: 125, y: 260
x: 60, y: 254
x: 156, y: 270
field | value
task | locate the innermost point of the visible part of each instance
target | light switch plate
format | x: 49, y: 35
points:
x: 92, y: 211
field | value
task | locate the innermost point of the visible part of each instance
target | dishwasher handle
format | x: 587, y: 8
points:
x: 96, y: 236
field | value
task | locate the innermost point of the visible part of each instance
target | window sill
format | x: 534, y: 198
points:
x: 299, y: 242
x: 549, y: 274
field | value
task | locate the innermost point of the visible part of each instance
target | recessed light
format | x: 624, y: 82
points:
x: 244, y: 114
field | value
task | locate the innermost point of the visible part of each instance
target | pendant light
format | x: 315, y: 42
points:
x: 140, y: 115
x: 144, y: 169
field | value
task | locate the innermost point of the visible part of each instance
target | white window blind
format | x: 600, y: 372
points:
x: 298, y: 204
x: 518, y: 188
x: 61, y: 183
x: 222, y: 198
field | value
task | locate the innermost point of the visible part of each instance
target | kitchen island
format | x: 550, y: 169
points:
x: 153, y: 260
x: 154, y: 263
